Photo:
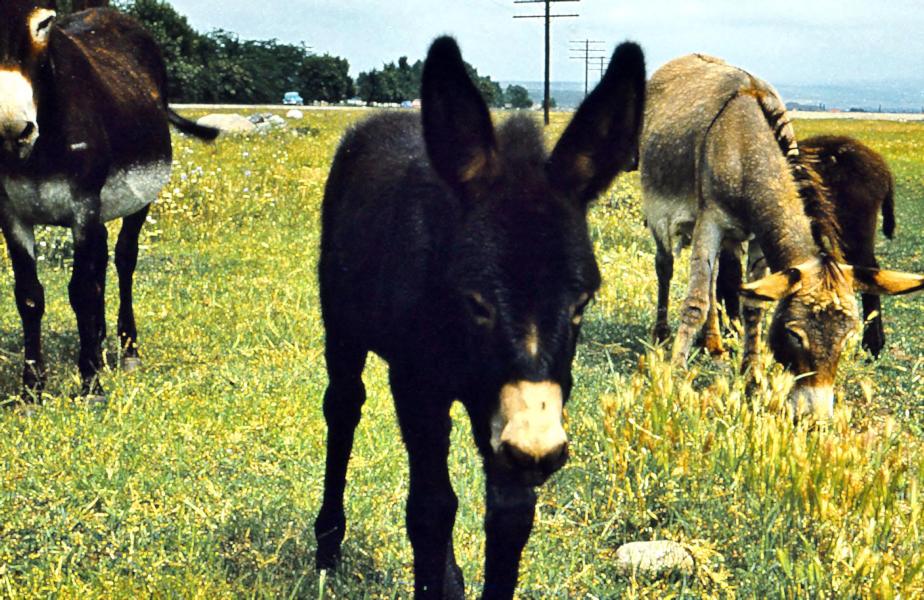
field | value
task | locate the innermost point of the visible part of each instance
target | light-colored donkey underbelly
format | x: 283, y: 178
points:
x: 51, y: 201
x: 672, y: 219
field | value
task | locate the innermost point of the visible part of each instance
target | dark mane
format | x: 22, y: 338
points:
x: 816, y: 199
x: 520, y: 138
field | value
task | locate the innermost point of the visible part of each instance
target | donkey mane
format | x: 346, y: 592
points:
x: 815, y: 195
x: 520, y: 139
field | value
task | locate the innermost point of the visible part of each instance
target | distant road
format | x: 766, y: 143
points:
x: 860, y: 116
x: 797, y: 114
x: 258, y: 107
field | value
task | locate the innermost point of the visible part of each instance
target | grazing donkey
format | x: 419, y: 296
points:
x: 84, y: 139
x: 461, y: 255
x: 857, y: 186
x: 713, y: 174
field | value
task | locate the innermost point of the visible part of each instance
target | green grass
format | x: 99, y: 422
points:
x: 202, y: 476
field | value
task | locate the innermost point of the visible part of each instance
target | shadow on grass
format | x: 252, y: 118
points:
x: 614, y: 344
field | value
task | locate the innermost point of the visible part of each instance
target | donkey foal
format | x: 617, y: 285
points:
x: 461, y: 255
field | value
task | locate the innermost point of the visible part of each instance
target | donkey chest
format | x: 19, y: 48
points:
x: 51, y: 201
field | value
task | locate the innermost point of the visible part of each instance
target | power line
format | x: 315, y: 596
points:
x: 586, y: 50
x: 548, y: 16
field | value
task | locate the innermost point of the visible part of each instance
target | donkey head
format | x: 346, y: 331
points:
x: 522, y: 268
x: 816, y: 313
x: 25, y: 26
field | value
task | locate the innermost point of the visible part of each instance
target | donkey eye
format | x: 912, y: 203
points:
x: 579, y: 308
x: 480, y: 310
x: 797, y: 337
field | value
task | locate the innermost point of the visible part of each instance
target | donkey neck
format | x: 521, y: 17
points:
x: 783, y: 231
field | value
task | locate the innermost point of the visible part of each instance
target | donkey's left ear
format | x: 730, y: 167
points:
x: 773, y: 287
x: 885, y: 283
x: 602, y: 138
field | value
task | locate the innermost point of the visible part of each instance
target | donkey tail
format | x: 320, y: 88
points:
x: 888, y: 211
x: 190, y: 128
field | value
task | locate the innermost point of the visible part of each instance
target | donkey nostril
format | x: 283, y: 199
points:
x: 27, y: 131
x: 18, y: 131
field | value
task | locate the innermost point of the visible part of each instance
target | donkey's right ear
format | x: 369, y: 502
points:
x: 456, y: 122
x: 602, y: 138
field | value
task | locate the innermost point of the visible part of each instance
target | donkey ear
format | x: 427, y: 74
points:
x: 456, y: 123
x: 602, y: 138
x: 773, y: 287
x: 886, y: 283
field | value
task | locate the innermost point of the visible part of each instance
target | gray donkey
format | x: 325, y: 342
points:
x: 720, y: 166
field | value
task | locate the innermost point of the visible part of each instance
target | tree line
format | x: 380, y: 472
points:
x: 219, y: 67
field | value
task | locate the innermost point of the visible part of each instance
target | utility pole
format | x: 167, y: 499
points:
x: 586, y: 50
x: 548, y: 16
x: 601, y: 68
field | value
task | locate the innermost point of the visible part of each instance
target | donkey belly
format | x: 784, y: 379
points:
x: 671, y: 219
x: 51, y: 201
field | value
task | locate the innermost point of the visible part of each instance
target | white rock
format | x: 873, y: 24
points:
x: 276, y: 120
x: 653, y: 558
x: 295, y: 114
x: 227, y: 123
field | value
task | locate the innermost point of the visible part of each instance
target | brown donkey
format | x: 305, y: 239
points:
x: 713, y: 175
x: 857, y: 186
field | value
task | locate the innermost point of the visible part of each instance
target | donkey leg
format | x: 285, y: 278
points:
x: 30, y: 301
x: 873, y: 331
x: 707, y: 240
x: 508, y: 522
x: 343, y: 401
x: 664, y: 267
x: 729, y: 281
x: 713, y: 328
x: 431, y: 502
x: 126, y: 258
x: 752, y: 314
x: 87, y: 295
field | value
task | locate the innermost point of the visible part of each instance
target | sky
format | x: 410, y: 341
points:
x: 783, y: 41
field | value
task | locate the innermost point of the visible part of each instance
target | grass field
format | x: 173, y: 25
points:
x: 202, y: 476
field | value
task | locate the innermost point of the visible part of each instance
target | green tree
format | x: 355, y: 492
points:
x: 517, y: 96
x: 325, y: 78
x: 401, y: 81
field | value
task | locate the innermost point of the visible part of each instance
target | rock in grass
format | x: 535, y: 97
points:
x: 227, y: 123
x: 295, y: 114
x: 654, y: 559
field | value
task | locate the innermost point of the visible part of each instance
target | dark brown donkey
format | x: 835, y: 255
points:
x: 84, y: 139
x: 461, y: 255
x: 857, y: 185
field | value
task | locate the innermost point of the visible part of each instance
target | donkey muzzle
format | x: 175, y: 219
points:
x: 527, y: 435
x: 817, y: 401
x: 18, y: 120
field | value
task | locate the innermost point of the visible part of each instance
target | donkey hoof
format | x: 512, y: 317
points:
x: 130, y: 363
x: 714, y: 345
x: 661, y: 333
x: 326, y: 559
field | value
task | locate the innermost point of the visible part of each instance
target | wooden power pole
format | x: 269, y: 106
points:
x: 586, y: 50
x: 548, y: 16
